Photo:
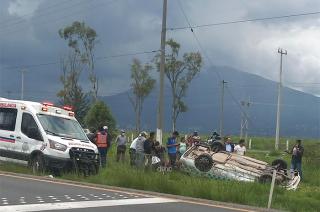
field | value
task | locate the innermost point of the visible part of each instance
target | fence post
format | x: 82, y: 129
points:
x: 272, y: 187
x: 250, y: 143
x: 287, y: 145
x: 131, y: 137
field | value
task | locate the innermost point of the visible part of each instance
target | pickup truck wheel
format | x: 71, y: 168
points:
x: 203, y: 162
x: 280, y: 164
x: 216, y: 146
x: 265, y: 178
x: 38, y: 165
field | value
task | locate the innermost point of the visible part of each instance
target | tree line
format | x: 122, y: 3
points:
x: 82, y: 39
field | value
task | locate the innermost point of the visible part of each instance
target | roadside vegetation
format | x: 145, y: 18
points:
x: 305, y: 198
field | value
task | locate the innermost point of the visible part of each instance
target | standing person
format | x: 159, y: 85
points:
x: 240, y: 149
x: 296, y: 159
x: 140, y: 152
x: 133, y: 147
x: 109, y: 139
x: 229, y: 146
x: 182, y: 146
x: 101, y: 142
x: 172, y: 148
x: 148, y: 146
x: 121, y: 142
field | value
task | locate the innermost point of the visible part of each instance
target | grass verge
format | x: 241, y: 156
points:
x: 306, y: 198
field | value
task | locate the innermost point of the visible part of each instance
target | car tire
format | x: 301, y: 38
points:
x: 38, y: 165
x: 265, y: 178
x: 280, y: 164
x: 203, y: 162
x: 217, y: 146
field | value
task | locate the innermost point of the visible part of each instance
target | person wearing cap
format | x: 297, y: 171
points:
x: 121, y: 142
x: 229, y: 145
x: 132, y: 151
x: 172, y: 148
x: 101, y: 142
x: 140, y: 156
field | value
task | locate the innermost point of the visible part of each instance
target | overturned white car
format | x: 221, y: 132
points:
x: 201, y: 160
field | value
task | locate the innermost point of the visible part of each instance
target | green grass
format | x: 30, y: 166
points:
x: 306, y: 198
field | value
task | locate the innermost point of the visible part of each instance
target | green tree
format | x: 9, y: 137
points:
x: 72, y: 93
x: 99, y: 115
x: 180, y: 72
x: 82, y: 39
x: 142, y: 84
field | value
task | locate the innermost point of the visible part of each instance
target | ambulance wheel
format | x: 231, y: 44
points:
x: 38, y: 165
x: 75, y: 167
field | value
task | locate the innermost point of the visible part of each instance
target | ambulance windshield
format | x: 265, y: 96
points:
x: 62, y: 127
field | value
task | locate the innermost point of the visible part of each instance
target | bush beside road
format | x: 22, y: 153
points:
x: 306, y: 198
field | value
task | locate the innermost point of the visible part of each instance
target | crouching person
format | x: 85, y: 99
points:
x: 139, y: 155
x: 133, y: 147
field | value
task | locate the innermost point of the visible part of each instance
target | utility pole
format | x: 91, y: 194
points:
x: 162, y: 69
x: 222, y: 108
x: 281, y: 52
x: 22, y: 83
x: 244, y: 119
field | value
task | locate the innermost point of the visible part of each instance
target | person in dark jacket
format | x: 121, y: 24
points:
x: 229, y: 146
x: 296, y: 159
x: 159, y: 152
x: 148, y: 147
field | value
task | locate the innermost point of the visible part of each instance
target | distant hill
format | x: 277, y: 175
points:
x: 299, y: 118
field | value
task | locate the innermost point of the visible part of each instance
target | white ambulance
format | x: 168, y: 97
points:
x: 45, y: 137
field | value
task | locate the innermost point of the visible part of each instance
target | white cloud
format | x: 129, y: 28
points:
x: 23, y: 8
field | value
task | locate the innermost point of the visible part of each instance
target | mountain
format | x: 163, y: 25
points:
x: 300, y: 113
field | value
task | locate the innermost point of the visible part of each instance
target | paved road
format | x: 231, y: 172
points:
x: 28, y: 194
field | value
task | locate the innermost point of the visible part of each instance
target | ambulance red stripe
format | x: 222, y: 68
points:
x: 9, y: 140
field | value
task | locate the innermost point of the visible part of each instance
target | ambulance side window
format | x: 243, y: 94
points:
x: 29, y: 127
x: 8, y: 118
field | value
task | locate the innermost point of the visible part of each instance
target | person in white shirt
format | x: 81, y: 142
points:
x: 240, y: 149
x: 133, y: 147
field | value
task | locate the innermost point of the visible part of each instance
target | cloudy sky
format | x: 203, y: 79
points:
x: 29, y: 39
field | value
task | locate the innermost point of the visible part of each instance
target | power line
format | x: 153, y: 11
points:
x: 209, y: 59
x: 97, y: 58
x: 245, y: 20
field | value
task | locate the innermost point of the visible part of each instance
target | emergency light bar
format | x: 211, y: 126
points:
x: 47, y: 103
x: 67, y: 107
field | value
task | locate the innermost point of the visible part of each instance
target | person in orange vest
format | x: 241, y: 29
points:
x: 102, y: 144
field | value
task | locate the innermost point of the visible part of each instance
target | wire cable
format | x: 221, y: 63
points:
x: 245, y: 20
x: 211, y: 63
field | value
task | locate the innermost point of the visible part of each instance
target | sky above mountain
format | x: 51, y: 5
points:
x: 29, y: 39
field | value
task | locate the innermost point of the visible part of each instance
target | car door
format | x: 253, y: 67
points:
x: 8, y: 122
x: 30, y: 136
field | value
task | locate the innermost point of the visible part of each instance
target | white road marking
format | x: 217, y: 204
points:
x: 86, y: 204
